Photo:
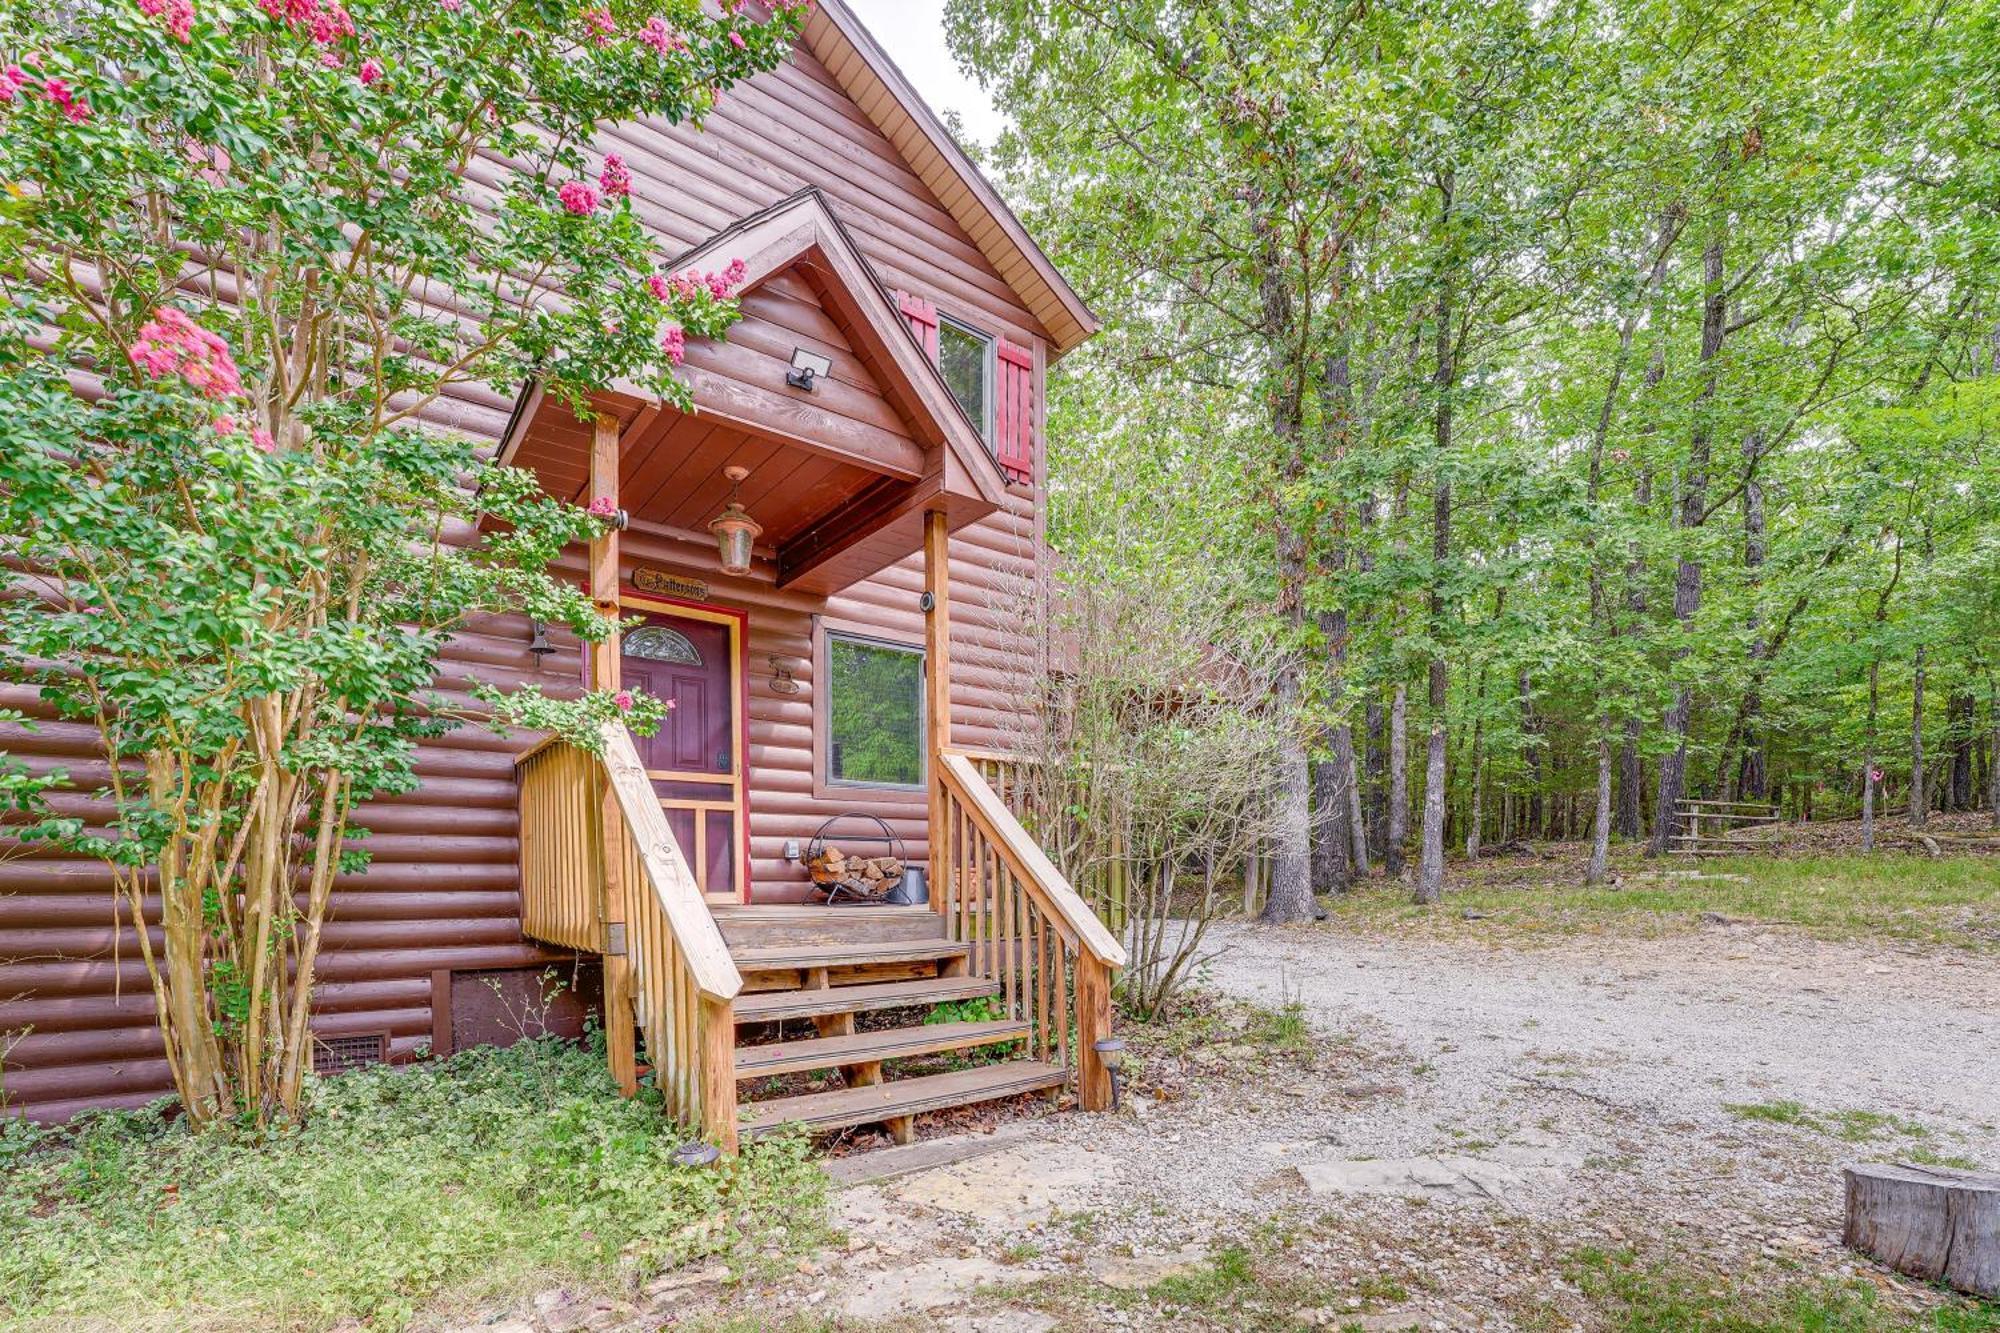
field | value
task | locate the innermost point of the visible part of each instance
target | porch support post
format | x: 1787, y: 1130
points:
x: 621, y: 1048
x: 937, y: 700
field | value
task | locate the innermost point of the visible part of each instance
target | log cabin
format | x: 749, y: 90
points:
x: 824, y: 567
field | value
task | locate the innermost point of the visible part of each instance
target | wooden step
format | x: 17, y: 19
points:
x: 792, y: 1057
x: 768, y: 1006
x: 903, y: 1097
x: 787, y: 957
x: 783, y: 926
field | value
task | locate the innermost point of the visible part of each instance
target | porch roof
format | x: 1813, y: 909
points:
x: 840, y: 477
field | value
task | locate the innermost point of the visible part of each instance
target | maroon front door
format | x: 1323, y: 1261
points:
x: 694, y: 759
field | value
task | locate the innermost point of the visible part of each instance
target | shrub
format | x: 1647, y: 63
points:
x: 268, y: 240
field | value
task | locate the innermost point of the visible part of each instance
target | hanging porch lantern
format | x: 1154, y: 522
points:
x: 735, y: 531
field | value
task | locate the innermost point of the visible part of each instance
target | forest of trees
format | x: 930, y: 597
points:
x: 1592, y: 404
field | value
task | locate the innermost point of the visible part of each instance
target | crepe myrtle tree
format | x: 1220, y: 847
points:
x: 250, y: 254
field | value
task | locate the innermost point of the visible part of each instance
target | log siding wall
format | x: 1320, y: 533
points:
x: 442, y: 892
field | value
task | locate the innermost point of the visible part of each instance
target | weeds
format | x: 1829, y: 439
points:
x: 474, y: 1177
x: 1849, y: 1126
x: 1634, y: 1297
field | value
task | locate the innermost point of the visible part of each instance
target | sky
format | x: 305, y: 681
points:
x: 912, y: 32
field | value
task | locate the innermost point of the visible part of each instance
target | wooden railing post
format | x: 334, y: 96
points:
x: 620, y: 1036
x: 1093, y: 1023
x: 937, y: 701
x: 718, y: 1072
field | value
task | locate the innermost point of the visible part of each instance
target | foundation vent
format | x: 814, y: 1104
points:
x: 337, y: 1055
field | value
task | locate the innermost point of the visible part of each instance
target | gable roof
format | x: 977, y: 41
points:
x: 839, y: 41
x: 801, y: 233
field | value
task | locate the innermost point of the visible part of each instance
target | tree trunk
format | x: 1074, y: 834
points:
x: 1329, y: 816
x: 1478, y: 785
x: 1693, y: 512
x: 1430, y: 871
x: 1631, y: 768
x: 1631, y: 783
x: 1531, y: 745
x: 1332, y: 778
x: 1357, y: 823
x: 1919, y: 795
x: 1993, y: 760
x: 1290, y: 897
x: 1962, y: 715
x: 1751, y: 778
x: 1377, y: 791
x: 1868, y: 759
x: 1600, y: 829
x: 1399, y: 784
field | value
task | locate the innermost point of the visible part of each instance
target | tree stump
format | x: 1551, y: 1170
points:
x: 1937, y: 1223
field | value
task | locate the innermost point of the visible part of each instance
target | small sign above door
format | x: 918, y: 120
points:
x: 659, y: 581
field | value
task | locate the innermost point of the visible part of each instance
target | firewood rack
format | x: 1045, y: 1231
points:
x: 852, y: 889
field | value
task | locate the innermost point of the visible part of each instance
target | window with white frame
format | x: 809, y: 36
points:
x: 874, y: 714
x: 965, y: 358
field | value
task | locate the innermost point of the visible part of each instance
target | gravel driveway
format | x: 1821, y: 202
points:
x: 1668, y: 1031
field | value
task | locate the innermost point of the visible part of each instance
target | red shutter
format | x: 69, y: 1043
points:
x: 1014, y: 413
x: 923, y: 317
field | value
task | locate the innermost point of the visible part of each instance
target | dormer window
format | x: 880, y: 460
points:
x: 965, y: 356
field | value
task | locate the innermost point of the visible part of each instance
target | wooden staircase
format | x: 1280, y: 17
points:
x: 729, y: 1001
x: 866, y: 981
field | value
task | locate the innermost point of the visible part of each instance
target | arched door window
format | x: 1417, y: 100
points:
x: 660, y: 644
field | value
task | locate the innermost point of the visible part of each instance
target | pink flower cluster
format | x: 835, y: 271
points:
x: 736, y: 40
x: 260, y: 439
x: 615, y: 180
x: 624, y: 700
x: 328, y: 23
x: 578, y: 198
x: 14, y: 78
x: 687, y: 285
x: 601, y: 25
x: 682, y: 286
x: 178, y: 15
x: 172, y: 344
x: 601, y: 507
x: 674, y: 343
x: 659, y: 35
x: 370, y: 71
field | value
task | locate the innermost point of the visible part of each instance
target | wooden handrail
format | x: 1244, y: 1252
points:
x: 702, y: 947
x: 601, y: 871
x: 1027, y: 860
x: 982, y: 755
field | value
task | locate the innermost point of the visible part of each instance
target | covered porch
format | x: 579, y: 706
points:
x: 643, y: 853
x: 830, y: 479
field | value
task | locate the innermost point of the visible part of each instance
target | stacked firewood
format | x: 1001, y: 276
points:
x: 871, y: 875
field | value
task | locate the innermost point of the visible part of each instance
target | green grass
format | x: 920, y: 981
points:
x: 1284, y: 1027
x: 1849, y: 1126
x: 1954, y: 901
x: 1777, y: 1113
x: 1633, y: 1297
x: 470, y: 1182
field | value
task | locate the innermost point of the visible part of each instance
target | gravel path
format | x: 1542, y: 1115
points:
x: 1671, y: 1030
